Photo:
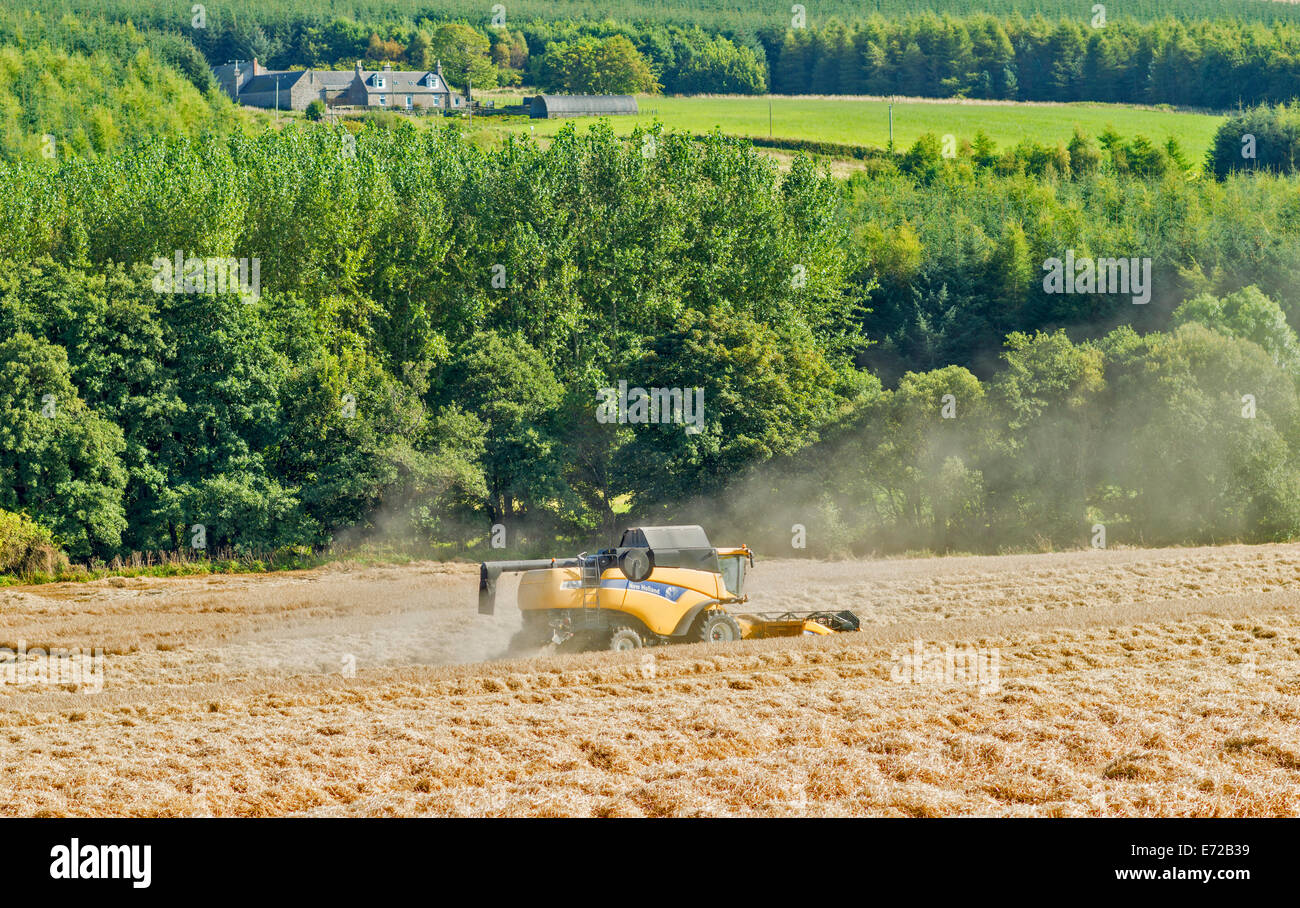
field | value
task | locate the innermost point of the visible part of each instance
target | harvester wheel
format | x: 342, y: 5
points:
x: 718, y: 627
x: 624, y: 640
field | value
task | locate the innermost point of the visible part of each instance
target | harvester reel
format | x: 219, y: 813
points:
x: 636, y: 564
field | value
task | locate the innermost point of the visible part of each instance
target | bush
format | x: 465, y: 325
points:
x: 315, y: 111
x: 26, y: 547
x: 818, y: 146
x: 1262, y: 138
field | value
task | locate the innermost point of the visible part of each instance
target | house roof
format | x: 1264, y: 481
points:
x: 327, y: 78
x: 408, y: 81
x: 333, y: 78
x: 268, y: 81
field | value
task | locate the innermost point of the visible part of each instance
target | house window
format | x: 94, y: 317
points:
x: 379, y: 81
x: 383, y: 102
x: 428, y: 80
x: 408, y: 102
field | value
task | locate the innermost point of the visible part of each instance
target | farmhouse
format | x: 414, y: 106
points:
x: 546, y: 107
x: 252, y: 84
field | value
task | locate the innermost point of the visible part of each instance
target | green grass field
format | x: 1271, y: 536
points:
x: 858, y: 122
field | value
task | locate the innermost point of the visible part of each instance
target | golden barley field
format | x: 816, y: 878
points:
x: 1128, y: 683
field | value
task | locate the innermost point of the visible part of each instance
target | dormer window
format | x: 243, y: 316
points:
x: 429, y: 80
x: 379, y: 81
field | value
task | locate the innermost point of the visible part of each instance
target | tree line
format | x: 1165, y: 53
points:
x: 434, y: 322
x: 708, y: 14
x: 1203, y: 60
x: 1210, y: 63
x: 1214, y: 63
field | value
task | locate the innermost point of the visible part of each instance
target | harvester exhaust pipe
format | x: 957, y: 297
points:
x: 490, y: 571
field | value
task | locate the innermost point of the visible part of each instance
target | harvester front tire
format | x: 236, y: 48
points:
x: 718, y: 627
x: 624, y: 640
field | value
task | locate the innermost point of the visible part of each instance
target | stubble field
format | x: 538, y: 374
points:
x: 1127, y: 683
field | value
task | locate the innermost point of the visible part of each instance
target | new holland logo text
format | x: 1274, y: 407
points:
x: 666, y: 590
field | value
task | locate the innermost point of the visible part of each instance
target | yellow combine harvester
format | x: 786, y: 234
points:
x: 660, y: 585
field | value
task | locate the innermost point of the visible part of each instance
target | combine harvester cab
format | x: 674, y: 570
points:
x: 660, y: 585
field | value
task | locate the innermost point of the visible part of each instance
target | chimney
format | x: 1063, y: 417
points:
x: 257, y: 68
x: 388, y: 67
x: 358, y: 67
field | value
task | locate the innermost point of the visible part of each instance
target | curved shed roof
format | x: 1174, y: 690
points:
x: 548, y: 106
x: 690, y: 536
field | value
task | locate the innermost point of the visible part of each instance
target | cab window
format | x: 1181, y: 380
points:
x: 733, y: 574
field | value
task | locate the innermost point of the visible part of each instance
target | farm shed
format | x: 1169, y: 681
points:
x: 548, y: 107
